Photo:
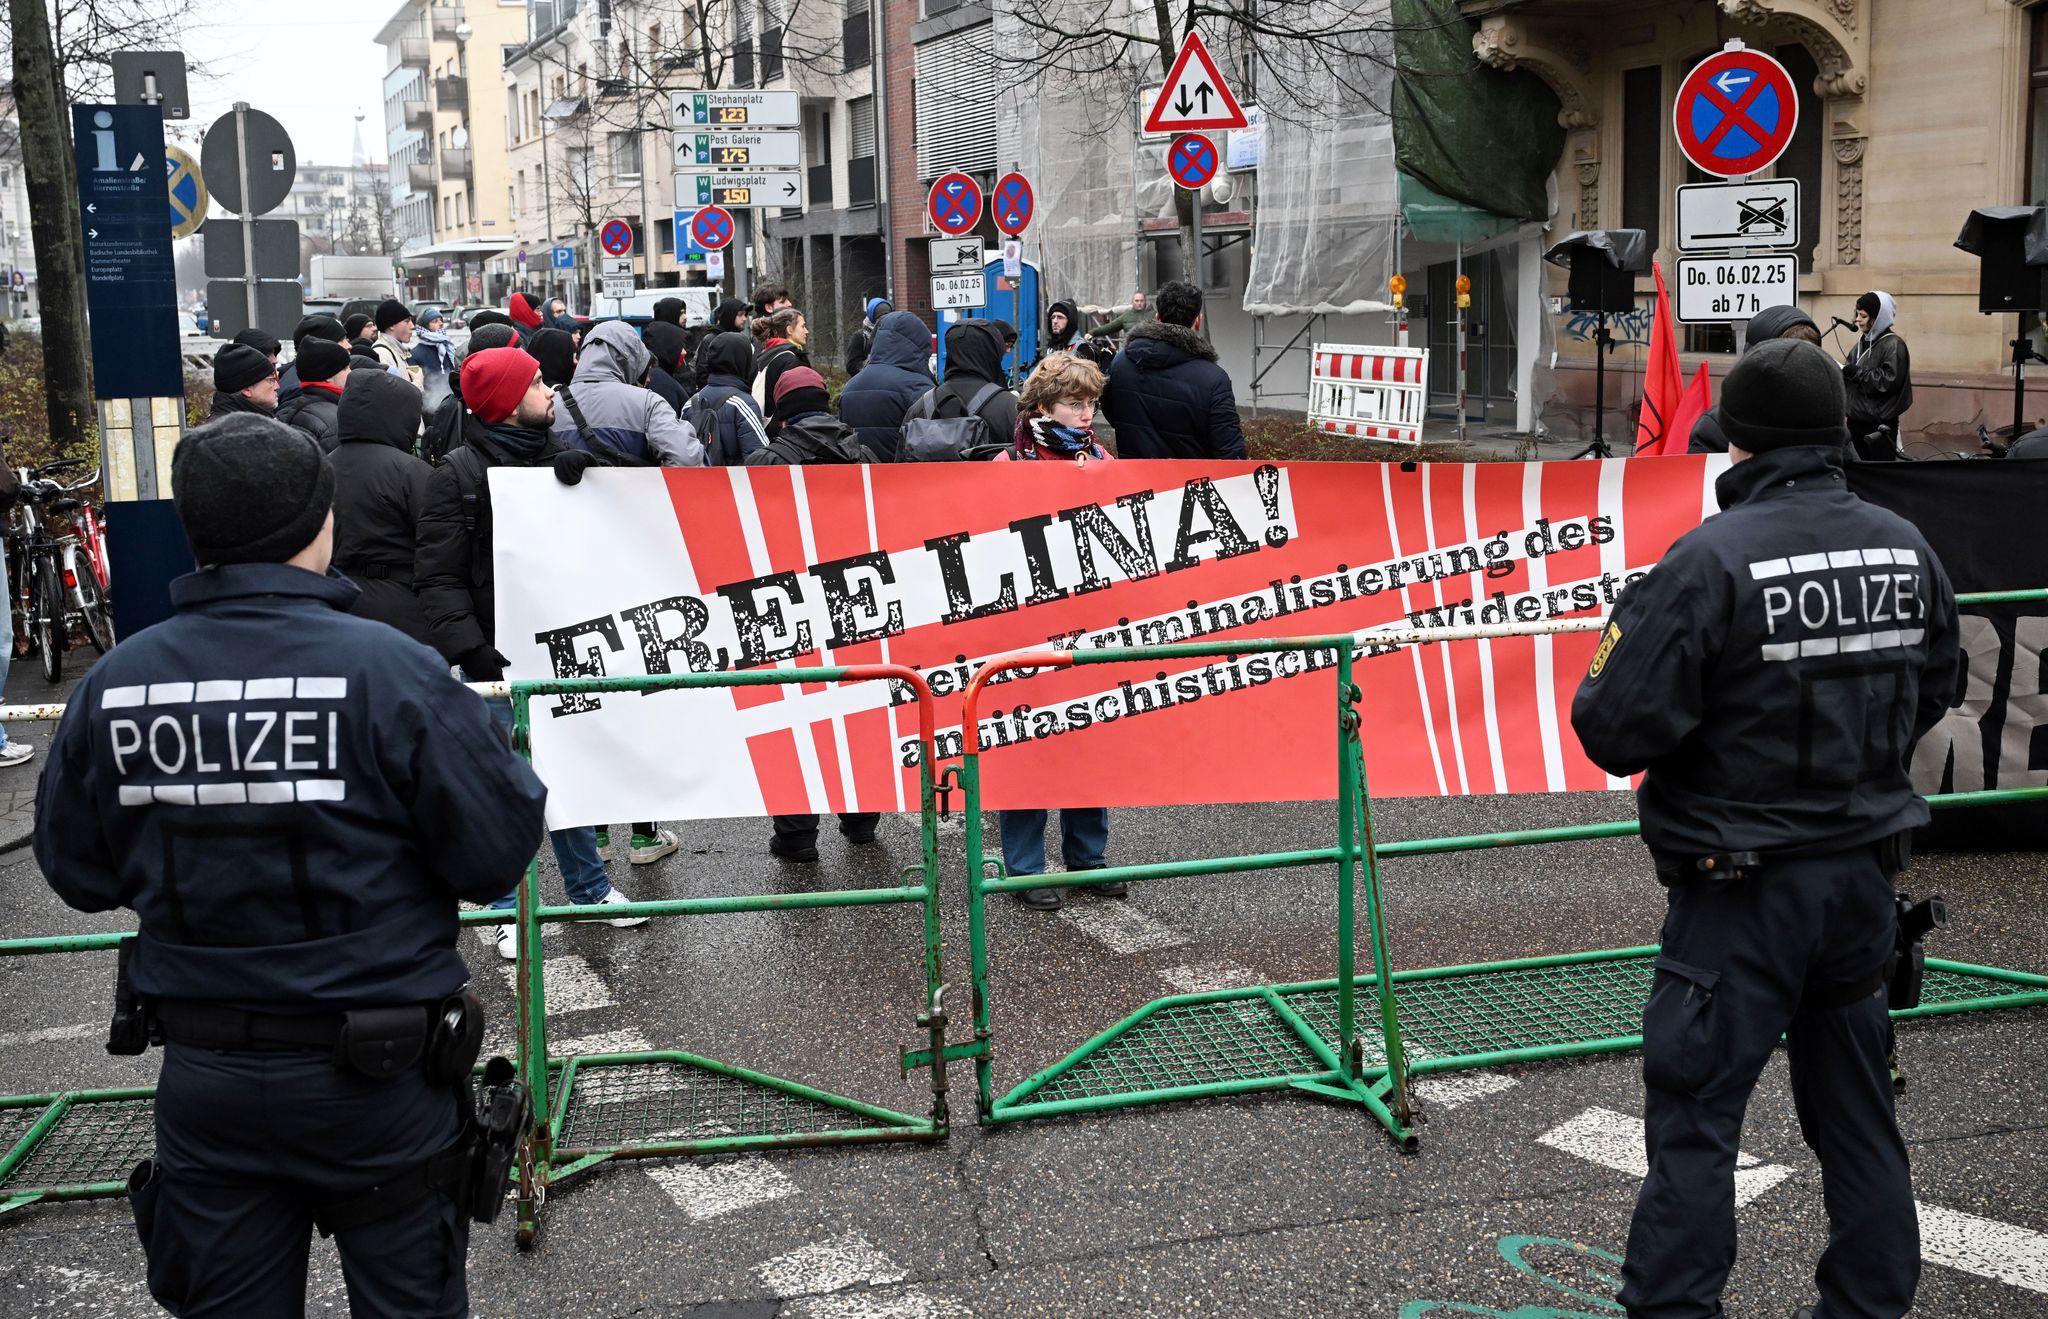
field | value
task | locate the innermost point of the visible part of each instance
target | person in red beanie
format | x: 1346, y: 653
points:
x: 507, y: 412
x: 525, y: 316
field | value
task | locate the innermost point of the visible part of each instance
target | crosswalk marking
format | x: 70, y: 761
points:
x: 712, y: 1190
x: 1121, y: 927
x: 828, y: 1266
x: 1455, y: 1089
x: 571, y: 985
x: 49, y: 1035
x: 1205, y: 977
x: 1615, y: 1140
x: 1984, y: 1246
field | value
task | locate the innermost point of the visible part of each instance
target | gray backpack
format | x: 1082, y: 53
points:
x: 929, y: 438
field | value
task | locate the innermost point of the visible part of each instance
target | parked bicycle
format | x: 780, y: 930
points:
x: 59, y: 581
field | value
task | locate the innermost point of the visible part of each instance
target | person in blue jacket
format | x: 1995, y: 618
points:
x: 292, y: 800
x: 896, y: 375
x: 723, y: 414
x: 1167, y: 397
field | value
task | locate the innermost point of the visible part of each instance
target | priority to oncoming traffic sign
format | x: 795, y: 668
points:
x: 1720, y: 289
x: 1195, y: 97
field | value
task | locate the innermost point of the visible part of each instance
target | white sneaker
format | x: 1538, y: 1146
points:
x: 506, y: 937
x: 613, y: 898
x: 15, y: 753
x: 646, y: 851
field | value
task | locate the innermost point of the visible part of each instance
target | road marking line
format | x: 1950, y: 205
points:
x: 711, y: 1190
x: 611, y: 1041
x: 859, y: 1305
x: 1206, y: 977
x: 1615, y: 1140
x: 1121, y: 927
x: 828, y: 1266
x: 572, y: 985
x: 1452, y: 1091
x: 1984, y: 1246
x: 49, y: 1035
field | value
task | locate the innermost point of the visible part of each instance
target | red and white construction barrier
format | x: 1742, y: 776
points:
x: 1368, y: 393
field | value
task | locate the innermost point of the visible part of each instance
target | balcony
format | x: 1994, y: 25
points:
x: 457, y: 163
x: 821, y: 184
x: 451, y: 93
x: 420, y: 174
x: 414, y: 53
x: 418, y: 114
x: 614, y: 89
x: 446, y: 18
x: 860, y: 181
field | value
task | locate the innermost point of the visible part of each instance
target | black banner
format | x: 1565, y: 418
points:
x: 1984, y: 519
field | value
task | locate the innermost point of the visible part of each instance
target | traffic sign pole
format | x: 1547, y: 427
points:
x: 249, y: 215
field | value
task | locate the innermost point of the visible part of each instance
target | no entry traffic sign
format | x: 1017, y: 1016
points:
x: 955, y: 204
x: 616, y: 237
x: 1735, y: 112
x: 712, y: 228
x: 1012, y: 203
x: 1191, y: 160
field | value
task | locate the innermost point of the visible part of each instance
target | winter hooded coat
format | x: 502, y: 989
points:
x: 605, y: 406
x: 1062, y: 341
x: 666, y: 342
x: 380, y: 491
x: 555, y: 350
x: 312, y: 410
x: 875, y: 402
x: 974, y: 357
x: 1879, y: 372
x: 1167, y: 398
x: 862, y: 341
x: 723, y: 411
x: 525, y: 316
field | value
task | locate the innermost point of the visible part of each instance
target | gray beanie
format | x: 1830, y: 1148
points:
x: 1781, y: 393
x: 250, y: 490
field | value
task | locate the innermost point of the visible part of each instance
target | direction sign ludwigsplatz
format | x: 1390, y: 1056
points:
x: 731, y: 109
x: 773, y: 187
x: 1195, y: 97
x: 779, y: 148
x: 1756, y: 216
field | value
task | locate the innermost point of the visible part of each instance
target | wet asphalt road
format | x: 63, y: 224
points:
x: 1272, y: 1205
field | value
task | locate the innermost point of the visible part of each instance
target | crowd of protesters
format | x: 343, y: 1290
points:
x: 412, y: 425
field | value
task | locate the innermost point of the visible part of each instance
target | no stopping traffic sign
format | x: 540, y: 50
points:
x: 712, y: 228
x: 1735, y: 112
x: 1191, y: 160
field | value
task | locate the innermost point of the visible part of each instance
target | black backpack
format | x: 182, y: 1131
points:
x: 927, y: 437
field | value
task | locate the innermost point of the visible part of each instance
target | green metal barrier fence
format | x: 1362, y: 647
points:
x: 1305, y: 1036
x: 665, y: 1103
x: 590, y: 1108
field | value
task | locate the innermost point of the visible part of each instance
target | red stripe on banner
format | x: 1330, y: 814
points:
x: 779, y: 772
x: 708, y: 515
x: 826, y: 744
x: 871, y: 743
x: 1571, y: 493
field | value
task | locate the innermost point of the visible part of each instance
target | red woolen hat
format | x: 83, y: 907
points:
x: 494, y: 380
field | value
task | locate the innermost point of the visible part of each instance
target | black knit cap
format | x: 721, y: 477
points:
x: 238, y: 366
x: 1784, y: 393
x: 318, y: 327
x: 250, y: 490
x: 390, y: 312
x: 320, y: 360
x: 263, y: 341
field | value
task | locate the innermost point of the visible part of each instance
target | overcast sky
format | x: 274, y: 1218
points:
x: 313, y: 74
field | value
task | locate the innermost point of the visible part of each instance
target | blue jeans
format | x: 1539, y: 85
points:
x: 1084, y: 837
x: 583, y: 874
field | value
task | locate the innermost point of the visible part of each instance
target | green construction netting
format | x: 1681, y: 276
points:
x: 1466, y: 132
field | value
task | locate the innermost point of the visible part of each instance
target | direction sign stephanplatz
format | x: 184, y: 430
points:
x: 1718, y: 289
x: 778, y: 148
x: 1755, y: 216
x: 131, y: 288
x: 735, y: 110
x: 771, y: 187
x: 1735, y: 112
x: 1195, y: 97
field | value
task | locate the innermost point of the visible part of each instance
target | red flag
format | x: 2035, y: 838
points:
x: 1698, y: 397
x: 1662, y: 384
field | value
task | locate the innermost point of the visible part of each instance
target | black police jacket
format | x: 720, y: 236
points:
x: 290, y: 798
x: 1773, y: 672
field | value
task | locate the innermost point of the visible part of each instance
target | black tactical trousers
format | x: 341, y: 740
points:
x: 248, y: 1143
x: 1742, y: 964
x: 796, y: 832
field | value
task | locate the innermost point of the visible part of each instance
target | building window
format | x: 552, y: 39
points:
x: 860, y: 151
x: 1802, y: 158
x: 741, y: 66
x: 933, y: 8
x: 625, y: 154
x: 2037, y: 110
x: 512, y: 107
x: 956, y: 105
x: 770, y: 20
x: 1644, y: 126
x: 856, y: 36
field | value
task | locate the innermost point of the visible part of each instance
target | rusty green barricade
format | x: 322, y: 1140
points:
x: 589, y: 1109
x: 667, y: 1103
x: 1309, y: 1036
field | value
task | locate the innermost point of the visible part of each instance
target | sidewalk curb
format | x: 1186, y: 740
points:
x: 17, y: 841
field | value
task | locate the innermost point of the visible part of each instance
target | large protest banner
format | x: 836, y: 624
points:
x: 942, y: 566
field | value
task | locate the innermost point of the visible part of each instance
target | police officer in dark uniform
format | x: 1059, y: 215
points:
x: 291, y: 799
x: 1772, y: 674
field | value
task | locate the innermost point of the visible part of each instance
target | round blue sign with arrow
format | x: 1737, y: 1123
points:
x: 616, y: 237
x: 1735, y: 112
x: 1191, y: 160
x: 955, y: 204
x: 1012, y: 203
x: 712, y: 228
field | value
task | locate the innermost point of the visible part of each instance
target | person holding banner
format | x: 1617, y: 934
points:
x: 1056, y: 423
x: 1772, y: 675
